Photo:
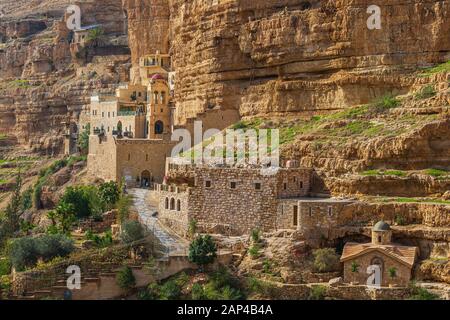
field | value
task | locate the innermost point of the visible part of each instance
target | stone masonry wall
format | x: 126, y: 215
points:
x: 403, y: 273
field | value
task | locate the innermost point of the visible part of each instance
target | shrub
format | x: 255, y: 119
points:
x: 254, y: 251
x: 197, y: 292
x: 317, y: 293
x: 384, y: 103
x: 400, y: 220
x: 79, y: 198
x: 100, y: 241
x: 170, y: 290
x: 5, y: 266
x: 25, y: 252
x: 259, y: 287
x: 418, y: 293
x: 109, y: 193
x: 392, y: 272
x: 125, y: 278
x: 256, y: 235
x: 83, y: 139
x: 425, y: 92
x: 131, y: 231
x: 27, y: 199
x: 326, y: 260
x: 354, y: 267
x: 123, y: 208
x: 192, y: 228
x: 202, y: 250
x: 152, y: 292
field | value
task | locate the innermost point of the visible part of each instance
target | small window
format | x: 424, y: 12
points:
x: 310, y: 211
x: 379, y: 239
x: 178, y: 205
x: 109, y: 114
x: 301, y: 184
x: 129, y: 157
x: 113, y: 114
x: 103, y: 114
x: 330, y: 211
x: 167, y: 203
x: 258, y: 186
x: 146, y: 157
x: 233, y: 184
x: 295, y: 179
x: 295, y: 213
x: 285, y: 186
x: 208, y: 183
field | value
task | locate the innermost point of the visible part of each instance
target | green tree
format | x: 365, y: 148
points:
x: 95, y: 36
x: 84, y: 199
x: 109, y: 193
x: 13, y: 211
x: 83, y: 139
x: 65, y: 216
x: 125, y: 278
x: 202, y: 250
x: 131, y: 231
x: 326, y: 260
x: 123, y: 206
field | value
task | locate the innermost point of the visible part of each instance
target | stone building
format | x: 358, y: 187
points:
x: 231, y: 200
x: 131, y: 130
x: 395, y: 261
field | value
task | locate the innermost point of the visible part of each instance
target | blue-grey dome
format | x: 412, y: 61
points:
x: 381, y: 226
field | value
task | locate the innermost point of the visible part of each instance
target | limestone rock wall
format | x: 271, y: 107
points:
x: 277, y: 56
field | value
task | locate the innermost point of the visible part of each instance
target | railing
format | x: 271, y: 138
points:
x: 126, y: 113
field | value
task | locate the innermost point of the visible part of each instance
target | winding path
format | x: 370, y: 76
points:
x: 145, y: 210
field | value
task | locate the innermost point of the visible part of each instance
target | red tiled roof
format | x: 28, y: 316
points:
x: 403, y: 254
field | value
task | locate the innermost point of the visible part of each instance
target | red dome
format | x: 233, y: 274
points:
x: 157, y: 77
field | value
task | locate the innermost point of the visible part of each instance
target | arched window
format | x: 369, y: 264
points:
x: 167, y: 203
x: 172, y: 204
x: 163, y: 97
x: 159, y: 127
x: 178, y: 205
x: 155, y: 97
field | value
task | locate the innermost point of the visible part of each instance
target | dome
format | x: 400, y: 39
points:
x: 157, y: 77
x: 381, y: 226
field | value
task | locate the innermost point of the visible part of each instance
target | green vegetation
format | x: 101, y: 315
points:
x: 83, y: 139
x: 3, y: 136
x: 437, y: 173
x: 419, y: 293
x: 109, y: 194
x: 10, y: 218
x: 254, y: 251
x: 131, y: 231
x: 355, y: 267
x: 221, y: 286
x: 202, y: 250
x: 444, y: 67
x: 125, y: 278
x: 415, y: 200
x: 100, y: 241
x: 318, y: 292
x: 398, y: 173
x: 255, y: 285
x: 400, y: 220
x: 25, y: 252
x: 392, y: 272
x: 256, y: 235
x: 123, y: 206
x: 192, y: 230
x: 425, y: 92
x: 326, y: 260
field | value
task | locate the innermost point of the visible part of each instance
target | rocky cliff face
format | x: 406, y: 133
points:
x: 275, y: 57
x: 42, y: 81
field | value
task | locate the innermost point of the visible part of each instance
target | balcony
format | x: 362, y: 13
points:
x: 126, y: 113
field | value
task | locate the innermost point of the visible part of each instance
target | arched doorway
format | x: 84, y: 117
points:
x: 146, y: 179
x: 159, y: 127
